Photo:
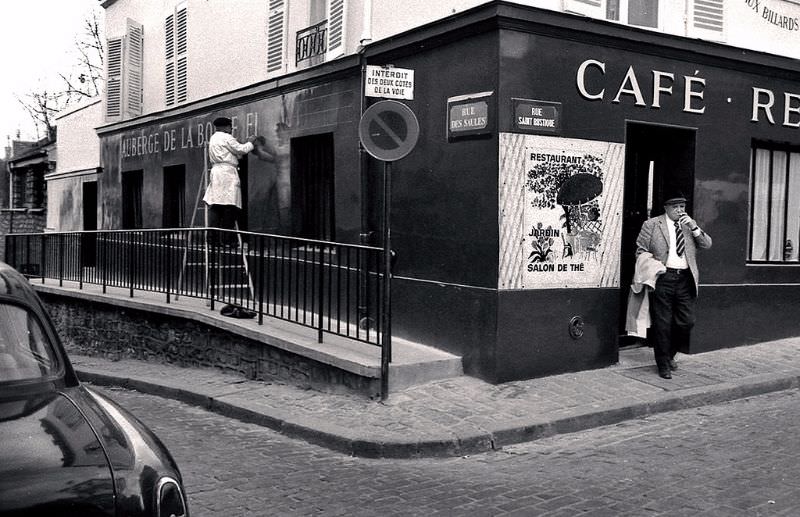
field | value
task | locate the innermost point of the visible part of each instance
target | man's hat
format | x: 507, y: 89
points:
x: 675, y: 198
x: 222, y: 122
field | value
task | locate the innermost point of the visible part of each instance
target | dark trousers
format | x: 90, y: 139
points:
x: 672, y: 314
x: 223, y: 216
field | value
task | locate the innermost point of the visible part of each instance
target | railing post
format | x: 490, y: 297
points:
x: 130, y: 263
x: 212, y: 260
x: 28, y: 254
x: 61, y: 260
x: 81, y: 253
x: 168, y: 266
x: 320, y: 293
x: 44, y: 257
x: 261, y: 272
x: 103, y: 263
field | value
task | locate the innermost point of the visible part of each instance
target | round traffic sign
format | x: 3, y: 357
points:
x: 388, y: 130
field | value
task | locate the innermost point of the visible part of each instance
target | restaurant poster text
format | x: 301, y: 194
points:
x: 560, y: 212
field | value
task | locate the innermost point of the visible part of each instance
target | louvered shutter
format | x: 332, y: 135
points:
x: 114, y: 79
x: 181, y: 79
x: 336, y: 29
x: 275, y: 36
x: 169, y: 46
x: 134, y: 54
x: 708, y: 17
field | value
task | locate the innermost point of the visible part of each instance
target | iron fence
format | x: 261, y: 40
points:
x: 332, y: 287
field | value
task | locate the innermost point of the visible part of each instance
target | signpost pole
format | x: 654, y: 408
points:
x: 386, y: 349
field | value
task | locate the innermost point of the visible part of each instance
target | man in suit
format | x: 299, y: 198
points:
x: 673, y: 238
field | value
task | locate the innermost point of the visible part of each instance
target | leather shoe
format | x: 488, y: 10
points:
x: 673, y: 365
x: 664, y: 373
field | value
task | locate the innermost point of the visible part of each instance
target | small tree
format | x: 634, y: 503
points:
x: 84, y: 80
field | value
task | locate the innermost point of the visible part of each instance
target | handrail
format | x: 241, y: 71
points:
x: 316, y: 283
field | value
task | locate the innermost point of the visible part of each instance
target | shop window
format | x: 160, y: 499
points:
x: 176, y: 54
x: 642, y: 13
x: 174, y: 196
x: 775, y: 205
x: 18, y: 189
x: 132, y: 200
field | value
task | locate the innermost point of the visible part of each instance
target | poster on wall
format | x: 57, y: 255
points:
x: 560, y: 212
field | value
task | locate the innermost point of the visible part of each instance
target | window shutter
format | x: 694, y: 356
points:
x: 181, y: 92
x: 180, y: 32
x: 169, y: 46
x: 176, y: 54
x: 133, y: 69
x: 275, y: 36
x: 114, y: 79
x: 708, y: 19
x: 336, y: 29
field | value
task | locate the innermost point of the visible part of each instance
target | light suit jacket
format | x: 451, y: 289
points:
x: 654, y: 238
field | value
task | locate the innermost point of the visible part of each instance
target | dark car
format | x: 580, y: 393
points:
x: 65, y: 450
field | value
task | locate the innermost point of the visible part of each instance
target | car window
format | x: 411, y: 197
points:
x: 25, y: 351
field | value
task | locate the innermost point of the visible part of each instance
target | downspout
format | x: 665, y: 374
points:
x: 366, y: 233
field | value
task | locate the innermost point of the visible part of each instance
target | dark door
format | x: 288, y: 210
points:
x: 658, y: 159
x: 174, y: 197
x: 312, y: 187
x: 89, y: 240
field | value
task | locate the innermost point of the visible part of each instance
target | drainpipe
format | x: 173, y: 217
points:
x: 366, y: 234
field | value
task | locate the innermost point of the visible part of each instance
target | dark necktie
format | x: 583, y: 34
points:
x: 680, y: 245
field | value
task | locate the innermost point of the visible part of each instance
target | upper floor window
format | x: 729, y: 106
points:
x: 642, y: 13
x: 775, y: 204
x: 124, y: 61
x: 176, y: 56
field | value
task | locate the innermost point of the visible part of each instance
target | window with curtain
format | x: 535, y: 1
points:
x: 775, y: 205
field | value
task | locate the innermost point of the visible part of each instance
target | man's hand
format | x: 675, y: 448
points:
x: 688, y: 221
x: 252, y: 138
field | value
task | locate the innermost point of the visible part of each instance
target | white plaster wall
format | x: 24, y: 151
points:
x: 78, y: 143
x: 228, y: 39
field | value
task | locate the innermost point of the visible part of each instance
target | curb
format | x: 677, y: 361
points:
x: 347, y: 441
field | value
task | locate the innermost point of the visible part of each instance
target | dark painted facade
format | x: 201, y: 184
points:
x: 461, y: 229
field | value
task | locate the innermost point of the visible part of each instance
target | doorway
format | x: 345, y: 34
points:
x: 312, y: 187
x: 89, y: 240
x: 658, y: 159
x: 174, y: 197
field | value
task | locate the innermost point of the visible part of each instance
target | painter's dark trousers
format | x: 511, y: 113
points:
x: 223, y: 216
x: 672, y: 314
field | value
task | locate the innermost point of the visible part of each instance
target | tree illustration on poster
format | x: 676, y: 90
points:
x: 561, y: 208
x: 573, y: 184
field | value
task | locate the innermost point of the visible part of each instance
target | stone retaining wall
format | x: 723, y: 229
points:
x: 108, y: 331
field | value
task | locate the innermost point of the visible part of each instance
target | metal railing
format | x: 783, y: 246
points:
x: 332, y: 287
x: 311, y: 42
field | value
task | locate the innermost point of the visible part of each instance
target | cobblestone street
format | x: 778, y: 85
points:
x: 735, y: 459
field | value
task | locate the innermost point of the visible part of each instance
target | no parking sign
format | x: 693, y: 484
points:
x: 388, y: 130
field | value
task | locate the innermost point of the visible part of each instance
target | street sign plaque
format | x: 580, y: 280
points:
x: 388, y: 130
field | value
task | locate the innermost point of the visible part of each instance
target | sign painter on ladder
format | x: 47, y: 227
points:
x: 224, y: 193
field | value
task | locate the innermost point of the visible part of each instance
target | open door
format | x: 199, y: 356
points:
x: 658, y: 159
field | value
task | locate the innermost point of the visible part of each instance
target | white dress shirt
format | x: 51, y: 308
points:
x: 673, y: 260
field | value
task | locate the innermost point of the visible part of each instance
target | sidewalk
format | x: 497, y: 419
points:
x: 465, y: 415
